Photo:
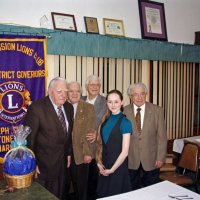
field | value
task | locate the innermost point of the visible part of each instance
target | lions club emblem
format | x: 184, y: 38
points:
x: 14, y: 100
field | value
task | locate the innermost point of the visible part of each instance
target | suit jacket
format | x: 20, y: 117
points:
x: 84, y: 121
x: 151, y: 144
x: 100, y: 108
x: 47, y: 138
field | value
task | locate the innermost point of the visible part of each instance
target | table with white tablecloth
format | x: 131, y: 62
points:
x: 179, y: 143
x: 159, y: 191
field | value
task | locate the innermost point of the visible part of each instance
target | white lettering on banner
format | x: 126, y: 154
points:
x: 10, y: 105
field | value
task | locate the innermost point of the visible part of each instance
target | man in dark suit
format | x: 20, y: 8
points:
x: 82, y: 149
x: 148, y: 144
x: 93, y: 85
x: 50, y: 139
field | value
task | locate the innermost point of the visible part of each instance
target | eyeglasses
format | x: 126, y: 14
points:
x: 61, y: 91
x: 74, y: 91
x: 94, y: 85
x: 139, y: 95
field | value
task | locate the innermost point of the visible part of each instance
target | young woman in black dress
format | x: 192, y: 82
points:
x: 112, y: 148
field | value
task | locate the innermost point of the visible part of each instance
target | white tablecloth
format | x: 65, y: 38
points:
x: 179, y: 143
x: 159, y: 191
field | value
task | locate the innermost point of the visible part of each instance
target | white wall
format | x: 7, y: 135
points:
x: 182, y: 16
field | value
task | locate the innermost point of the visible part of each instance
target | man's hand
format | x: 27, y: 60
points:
x: 37, y: 171
x: 68, y: 161
x: 87, y: 159
x: 91, y: 136
x: 159, y: 164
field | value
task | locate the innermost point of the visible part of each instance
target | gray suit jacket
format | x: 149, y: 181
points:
x: 151, y: 144
x: 84, y: 121
x: 100, y: 108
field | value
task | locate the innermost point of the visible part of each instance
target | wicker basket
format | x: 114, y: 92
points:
x: 19, y: 181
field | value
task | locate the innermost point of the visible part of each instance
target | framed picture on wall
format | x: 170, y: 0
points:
x: 152, y: 20
x: 113, y: 27
x: 91, y: 25
x: 64, y: 22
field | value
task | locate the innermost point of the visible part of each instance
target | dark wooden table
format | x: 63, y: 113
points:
x: 34, y: 192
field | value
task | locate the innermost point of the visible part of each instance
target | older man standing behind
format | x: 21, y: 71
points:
x: 83, y: 151
x: 148, y: 144
x: 93, y: 85
x: 50, y: 138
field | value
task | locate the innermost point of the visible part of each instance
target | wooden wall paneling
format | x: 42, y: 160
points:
x: 198, y: 106
x: 126, y: 80
x: 50, y: 68
x: 155, y: 82
x: 168, y: 100
x: 174, y: 106
x: 62, y: 66
x: 111, y: 74
x: 187, y: 101
x: 89, y: 66
x: 84, y: 73
x: 173, y: 84
x: 132, y: 72
x: 192, y: 97
x: 79, y: 71
x: 57, y: 65
x: 184, y: 99
x: 96, y: 66
x: 181, y: 133
x: 100, y: 73
x: 144, y: 73
x: 160, y: 83
x: 105, y: 76
x: 119, y: 74
x: 177, y: 123
x: 173, y: 101
x: 70, y: 68
x: 137, y: 75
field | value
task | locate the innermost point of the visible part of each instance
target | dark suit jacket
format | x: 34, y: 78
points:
x: 47, y: 139
x: 100, y: 108
x: 84, y: 121
x: 151, y: 144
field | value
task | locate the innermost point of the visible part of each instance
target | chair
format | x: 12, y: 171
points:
x: 187, y: 168
x: 169, y: 166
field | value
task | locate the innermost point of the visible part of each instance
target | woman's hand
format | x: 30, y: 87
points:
x: 103, y: 171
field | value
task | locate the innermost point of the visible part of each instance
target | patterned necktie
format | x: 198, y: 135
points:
x: 138, y: 120
x: 62, y: 119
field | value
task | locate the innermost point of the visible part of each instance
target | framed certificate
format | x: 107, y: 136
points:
x: 113, y: 27
x: 152, y: 20
x: 91, y: 25
x: 63, y: 22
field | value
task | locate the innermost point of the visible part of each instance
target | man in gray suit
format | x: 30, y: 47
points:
x: 93, y: 85
x: 50, y: 138
x: 149, y: 142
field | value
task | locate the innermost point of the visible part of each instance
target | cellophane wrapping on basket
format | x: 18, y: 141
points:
x: 19, y: 160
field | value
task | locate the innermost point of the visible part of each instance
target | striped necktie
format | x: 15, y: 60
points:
x: 62, y: 119
x: 138, y: 120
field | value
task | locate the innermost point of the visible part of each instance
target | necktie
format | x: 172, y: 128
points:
x: 138, y: 120
x: 62, y: 119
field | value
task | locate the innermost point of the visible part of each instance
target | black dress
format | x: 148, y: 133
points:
x: 119, y: 181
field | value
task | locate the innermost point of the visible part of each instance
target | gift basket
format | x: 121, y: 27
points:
x: 19, y: 163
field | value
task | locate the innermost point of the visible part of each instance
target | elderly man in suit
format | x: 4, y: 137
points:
x: 83, y: 150
x: 50, y: 138
x: 149, y: 142
x: 93, y: 85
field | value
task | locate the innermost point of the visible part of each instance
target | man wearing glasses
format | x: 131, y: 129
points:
x: 149, y: 142
x: 93, y: 85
